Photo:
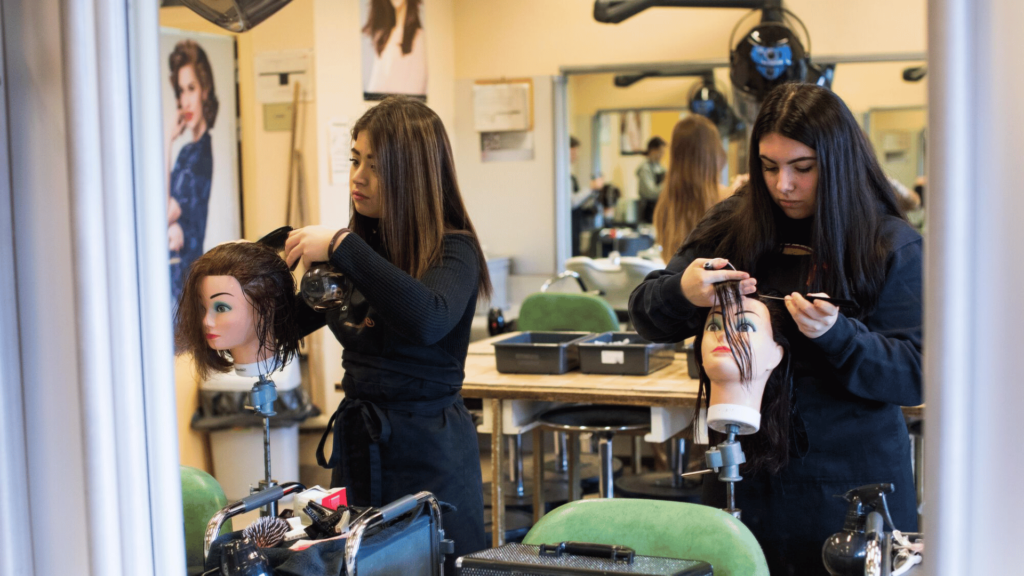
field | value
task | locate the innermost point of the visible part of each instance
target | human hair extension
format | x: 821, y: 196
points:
x: 381, y: 21
x: 730, y: 299
x: 190, y: 53
x: 418, y: 188
x: 767, y: 449
x: 853, y: 196
x: 268, y: 286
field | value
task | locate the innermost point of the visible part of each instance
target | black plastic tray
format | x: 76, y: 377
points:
x: 539, y: 352
x: 599, y: 354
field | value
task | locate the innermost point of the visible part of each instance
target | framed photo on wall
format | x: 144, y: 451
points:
x: 634, y: 131
x: 394, y: 48
x: 204, y: 206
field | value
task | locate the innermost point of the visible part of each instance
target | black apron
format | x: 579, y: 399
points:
x: 402, y: 429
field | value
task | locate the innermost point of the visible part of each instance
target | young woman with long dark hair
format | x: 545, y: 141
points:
x: 817, y: 216
x: 414, y: 268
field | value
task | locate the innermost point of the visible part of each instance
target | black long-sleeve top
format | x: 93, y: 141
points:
x: 398, y: 330
x: 847, y: 427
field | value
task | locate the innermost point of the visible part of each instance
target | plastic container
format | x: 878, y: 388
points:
x: 686, y: 347
x: 601, y: 355
x: 539, y: 352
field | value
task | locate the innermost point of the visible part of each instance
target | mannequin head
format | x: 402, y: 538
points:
x: 743, y: 357
x: 237, y: 305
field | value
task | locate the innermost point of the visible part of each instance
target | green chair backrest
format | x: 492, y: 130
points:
x: 201, y: 497
x: 657, y: 528
x: 561, y: 312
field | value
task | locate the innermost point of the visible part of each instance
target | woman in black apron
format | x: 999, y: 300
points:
x: 413, y: 268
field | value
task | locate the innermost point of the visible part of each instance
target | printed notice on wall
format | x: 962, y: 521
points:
x: 339, y: 140
x: 506, y: 146
x: 502, y: 106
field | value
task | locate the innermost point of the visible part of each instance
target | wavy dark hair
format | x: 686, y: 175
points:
x: 853, y: 197
x: 767, y: 449
x: 418, y: 188
x: 190, y: 53
x: 268, y: 286
x: 380, y: 22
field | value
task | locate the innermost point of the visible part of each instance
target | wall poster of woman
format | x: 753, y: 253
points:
x: 394, y: 49
x: 203, y: 193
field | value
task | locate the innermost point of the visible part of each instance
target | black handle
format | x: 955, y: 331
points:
x: 610, y: 551
x: 398, y: 507
x: 263, y: 497
x: 841, y: 302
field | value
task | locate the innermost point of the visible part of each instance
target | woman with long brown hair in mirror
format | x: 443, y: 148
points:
x: 691, y: 187
x: 415, y: 269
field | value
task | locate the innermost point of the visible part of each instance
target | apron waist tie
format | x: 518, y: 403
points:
x: 378, y: 429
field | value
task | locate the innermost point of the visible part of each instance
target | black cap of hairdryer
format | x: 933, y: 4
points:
x: 843, y: 553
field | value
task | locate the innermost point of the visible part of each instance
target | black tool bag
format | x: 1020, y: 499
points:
x: 403, y: 538
x: 574, y: 558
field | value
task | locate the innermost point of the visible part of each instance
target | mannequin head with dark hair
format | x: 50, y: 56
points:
x: 237, y: 307
x: 743, y: 358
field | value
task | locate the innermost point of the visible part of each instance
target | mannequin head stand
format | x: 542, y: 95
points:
x: 237, y: 308
x: 743, y: 362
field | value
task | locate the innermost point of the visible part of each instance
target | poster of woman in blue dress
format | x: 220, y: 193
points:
x: 202, y: 203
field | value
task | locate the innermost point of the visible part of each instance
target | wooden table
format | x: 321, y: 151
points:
x: 669, y: 388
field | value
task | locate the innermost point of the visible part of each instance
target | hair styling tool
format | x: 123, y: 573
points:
x: 863, y: 546
x: 266, y: 531
x: 840, y: 302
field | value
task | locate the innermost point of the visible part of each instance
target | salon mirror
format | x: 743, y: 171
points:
x: 609, y: 120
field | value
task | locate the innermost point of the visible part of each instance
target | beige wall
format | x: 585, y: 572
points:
x: 528, y: 37
x: 495, y: 38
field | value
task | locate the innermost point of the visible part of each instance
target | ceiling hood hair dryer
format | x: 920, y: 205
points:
x: 708, y: 101
x: 235, y: 15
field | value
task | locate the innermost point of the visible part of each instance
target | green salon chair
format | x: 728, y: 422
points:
x: 565, y: 312
x: 201, y: 497
x: 657, y: 528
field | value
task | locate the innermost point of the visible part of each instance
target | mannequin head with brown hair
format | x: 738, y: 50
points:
x: 237, y: 307
x: 743, y: 359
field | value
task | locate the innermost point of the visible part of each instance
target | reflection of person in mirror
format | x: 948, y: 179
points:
x: 190, y: 175
x: 400, y: 57
x: 816, y: 217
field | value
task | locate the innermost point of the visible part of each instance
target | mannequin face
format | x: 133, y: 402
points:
x: 362, y: 178
x: 753, y: 324
x: 229, y: 323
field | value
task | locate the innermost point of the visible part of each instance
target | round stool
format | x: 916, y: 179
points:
x: 517, y: 524
x: 555, y: 494
x: 603, y: 421
x: 664, y: 485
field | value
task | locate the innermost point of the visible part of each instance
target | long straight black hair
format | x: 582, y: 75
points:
x: 853, y: 197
